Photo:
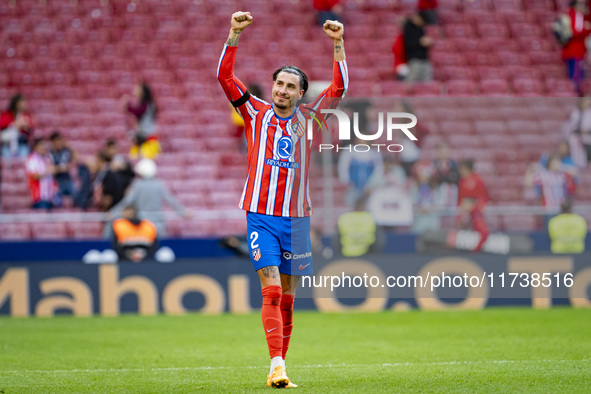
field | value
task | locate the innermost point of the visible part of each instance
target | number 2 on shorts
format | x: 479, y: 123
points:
x: 254, y: 236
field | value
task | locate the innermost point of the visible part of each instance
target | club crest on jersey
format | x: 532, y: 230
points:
x: 256, y: 254
x: 284, y: 147
x: 296, y: 129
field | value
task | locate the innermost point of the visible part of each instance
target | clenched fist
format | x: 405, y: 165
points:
x: 241, y: 20
x: 334, y: 29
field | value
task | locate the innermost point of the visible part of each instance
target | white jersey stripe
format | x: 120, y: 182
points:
x: 302, y: 178
x: 220, y: 62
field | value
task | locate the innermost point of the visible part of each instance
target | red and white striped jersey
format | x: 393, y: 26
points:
x: 554, y: 186
x: 278, y: 150
x: 42, y: 189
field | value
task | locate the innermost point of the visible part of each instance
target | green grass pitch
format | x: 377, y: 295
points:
x: 493, y: 350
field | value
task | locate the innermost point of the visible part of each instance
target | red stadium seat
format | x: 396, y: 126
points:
x: 523, y: 30
x: 494, y: 86
x: 459, y: 30
x: 14, y: 231
x: 520, y: 223
x: 528, y: 87
x: 394, y: 88
x: 456, y: 127
x: 560, y: 87
x: 452, y: 73
x: 480, y: 59
x: 426, y: 89
x: 461, y: 88
x: 49, y: 231
x: 468, y: 44
x: 513, y: 58
x: 544, y: 57
x: 85, y: 230
x: 490, y: 127
x: 448, y: 59
x: 492, y: 30
x: 486, y: 72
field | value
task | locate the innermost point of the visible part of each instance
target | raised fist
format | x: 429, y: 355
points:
x: 240, y: 20
x: 334, y: 29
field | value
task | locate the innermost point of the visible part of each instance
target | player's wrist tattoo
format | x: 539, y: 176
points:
x: 233, y: 38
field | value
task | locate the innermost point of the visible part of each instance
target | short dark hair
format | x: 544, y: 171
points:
x: 103, y: 156
x: 566, y: 206
x: 55, y: 135
x: 296, y: 71
x: 468, y: 163
x: 110, y: 142
x: 38, y: 141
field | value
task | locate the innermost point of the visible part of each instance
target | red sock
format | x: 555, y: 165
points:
x: 272, y: 322
x: 287, y: 316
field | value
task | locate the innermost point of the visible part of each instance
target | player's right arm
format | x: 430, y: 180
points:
x: 233, y: 87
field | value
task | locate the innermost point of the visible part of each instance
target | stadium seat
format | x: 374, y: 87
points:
x: 426, y: 89
x: 528, y: 87
x: 85, y: 230
x: 479, y: 59
x: 494, y: 86
x: 14, y: 231
x: 461, y: 88
x: 49, y: 231
x: 458, y: 30
x: 560, y: 87
x: 448, y: 59
x: 492, y: 30
x: 524, y: 223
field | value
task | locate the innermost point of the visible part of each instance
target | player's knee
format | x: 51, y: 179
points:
x: 271, y: 295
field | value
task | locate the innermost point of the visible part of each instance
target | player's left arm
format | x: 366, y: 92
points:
x: 331, y: 96
x: 340, y: 75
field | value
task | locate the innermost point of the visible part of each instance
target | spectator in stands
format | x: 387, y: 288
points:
x: 566, y: 162
x: 554, y: 184
x: 355, y: 169
x: 473, y: 219
x: 147, y: 194
x: 16, y: 128
x: 132, y: 238
x: 62, y: 158
x: 40, y: 173
x: 399, y: 51
x: 577, y: 131
x: 143, y: 108
x: 417, y: 45
x: 429, y: 11
x: 446, y: 175
x: 567, y: 231
x: 118, y: 162
x: 111, y: 182
x: 328, y: 10
x: 426, y: 199
x: 574, y: 51
x: 471, y: 185
x: 358, y: 233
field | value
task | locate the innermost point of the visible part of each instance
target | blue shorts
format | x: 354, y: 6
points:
x: 280, y: 241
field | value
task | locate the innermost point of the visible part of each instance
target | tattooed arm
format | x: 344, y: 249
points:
x: 334, y: 30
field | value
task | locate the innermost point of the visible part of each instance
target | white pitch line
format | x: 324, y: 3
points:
x: 407, y: 364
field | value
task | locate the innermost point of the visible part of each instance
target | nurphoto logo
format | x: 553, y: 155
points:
x: 391, y: 121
